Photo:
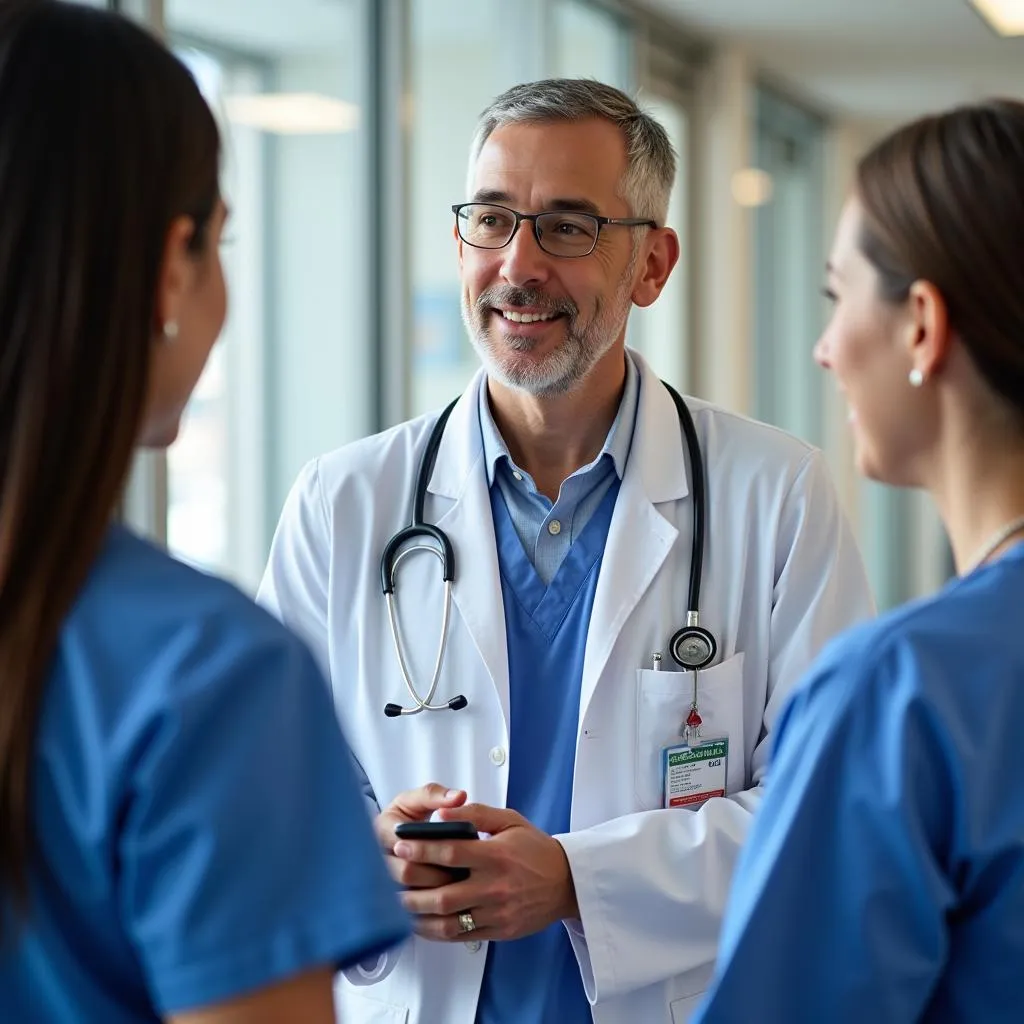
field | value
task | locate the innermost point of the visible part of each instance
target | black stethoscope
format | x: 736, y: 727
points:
x: 692, y: 647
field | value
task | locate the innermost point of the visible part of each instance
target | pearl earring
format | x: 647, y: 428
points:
x: 916, y: 378
x: 171, y: 330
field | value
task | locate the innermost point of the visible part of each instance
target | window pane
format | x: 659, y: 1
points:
x: 463, y: 56
x: 289, y: 378
x: 661, y: 332
x: 590, y: 43
x: 789, y: 254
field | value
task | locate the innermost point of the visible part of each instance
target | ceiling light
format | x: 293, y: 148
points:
x: 1005, y: 16
x: 293, y: 113
x: 752, y: 187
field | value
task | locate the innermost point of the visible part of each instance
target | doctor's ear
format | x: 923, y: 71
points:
x: 659, y: 253
x: 928, y: 333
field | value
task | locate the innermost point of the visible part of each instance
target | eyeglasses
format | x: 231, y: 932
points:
x: 558, y: 233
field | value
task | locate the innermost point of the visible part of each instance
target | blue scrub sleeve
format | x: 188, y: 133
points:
x: 246, y: 854
x: 838, y: 904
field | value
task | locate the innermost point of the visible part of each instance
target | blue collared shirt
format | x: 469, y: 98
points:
x: 545, y: 529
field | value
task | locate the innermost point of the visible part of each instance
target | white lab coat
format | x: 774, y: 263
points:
x: 781, y: 575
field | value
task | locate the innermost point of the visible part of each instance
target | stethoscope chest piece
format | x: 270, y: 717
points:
x: 693, y: 647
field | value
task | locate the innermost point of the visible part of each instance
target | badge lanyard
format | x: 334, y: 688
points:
x: 691, y: 730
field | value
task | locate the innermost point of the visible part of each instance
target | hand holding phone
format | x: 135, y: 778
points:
x: 439, y: 831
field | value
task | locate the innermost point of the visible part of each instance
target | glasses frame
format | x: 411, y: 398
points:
x: 602, y: 223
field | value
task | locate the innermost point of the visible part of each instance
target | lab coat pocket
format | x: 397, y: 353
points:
x: 663, y: 702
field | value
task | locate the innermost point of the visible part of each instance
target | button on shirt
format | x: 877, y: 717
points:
x: 547, y: 529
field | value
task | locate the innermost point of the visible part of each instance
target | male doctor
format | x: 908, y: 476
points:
x: 564, y: 484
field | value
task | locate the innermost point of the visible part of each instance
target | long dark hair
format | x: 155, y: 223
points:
x: 104, y: 141
x: 943, y: 201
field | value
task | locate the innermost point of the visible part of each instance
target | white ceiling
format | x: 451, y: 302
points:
x: 263, y: 26
x: 868, y: 58
x: 877, y: 59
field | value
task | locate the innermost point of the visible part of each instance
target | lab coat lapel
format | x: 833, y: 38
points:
x: 459, y: 474
x: 639, y: 537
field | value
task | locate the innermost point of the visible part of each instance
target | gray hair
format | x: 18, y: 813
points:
x: 650, y: 160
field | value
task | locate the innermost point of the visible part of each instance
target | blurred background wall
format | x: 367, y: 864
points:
x: 347, y: 124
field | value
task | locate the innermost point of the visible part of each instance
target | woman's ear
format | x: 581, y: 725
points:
x: 928, y: 331
x: 177, y: 271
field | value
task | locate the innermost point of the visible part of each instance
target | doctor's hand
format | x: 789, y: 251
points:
x: 519, y: 880
x: 414, y: 805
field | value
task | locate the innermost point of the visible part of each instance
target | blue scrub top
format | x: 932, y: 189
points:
x: 199, y: 829
x: 884, y: 876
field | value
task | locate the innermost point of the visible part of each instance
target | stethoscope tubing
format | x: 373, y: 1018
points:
x: 392, y: 556
x: 424, y: 703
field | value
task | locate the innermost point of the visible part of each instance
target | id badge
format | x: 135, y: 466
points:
x: 693, y: 774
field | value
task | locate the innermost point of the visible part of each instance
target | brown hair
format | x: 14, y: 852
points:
x: 104, y: 141
x: 943, y: 201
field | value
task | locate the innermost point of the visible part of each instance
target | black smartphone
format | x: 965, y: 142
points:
x: 436, y: 830
x: 439, y: 830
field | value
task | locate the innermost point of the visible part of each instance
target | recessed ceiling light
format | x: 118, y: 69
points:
x: 1005, y: 16
x: 293, y: 113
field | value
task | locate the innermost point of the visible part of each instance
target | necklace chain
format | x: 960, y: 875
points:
x: 1004, y: 533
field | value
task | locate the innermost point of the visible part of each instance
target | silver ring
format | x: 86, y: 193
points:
x: 466, y: 922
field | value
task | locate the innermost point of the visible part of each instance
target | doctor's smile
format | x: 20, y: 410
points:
x: 519, y: 313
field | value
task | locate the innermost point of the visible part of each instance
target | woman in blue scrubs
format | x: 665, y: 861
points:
x: 884, y: 877
x: 181, y: 834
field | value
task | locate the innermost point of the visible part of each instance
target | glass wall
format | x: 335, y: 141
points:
x: 590, y: 42
x: 457, y: 68
x: 789, y: 266
x: 290, y: 376
x: 347, y: 126
x: 455, y: 73
x: 661, y: 332
x: 346, y: 129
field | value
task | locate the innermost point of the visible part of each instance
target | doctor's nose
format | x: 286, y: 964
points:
x: 523, y: 262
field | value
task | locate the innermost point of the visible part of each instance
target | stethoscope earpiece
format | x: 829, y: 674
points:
x: 457, y: 703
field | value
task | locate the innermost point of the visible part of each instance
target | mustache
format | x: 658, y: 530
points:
x: 508, y: 295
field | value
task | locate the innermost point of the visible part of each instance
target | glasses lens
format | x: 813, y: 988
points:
x: 567, y: 234
x: 488, y: 227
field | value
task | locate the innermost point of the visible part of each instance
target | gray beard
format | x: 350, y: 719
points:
x: 565, y: 368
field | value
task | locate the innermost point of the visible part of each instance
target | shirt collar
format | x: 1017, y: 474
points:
x: 616, y: 444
